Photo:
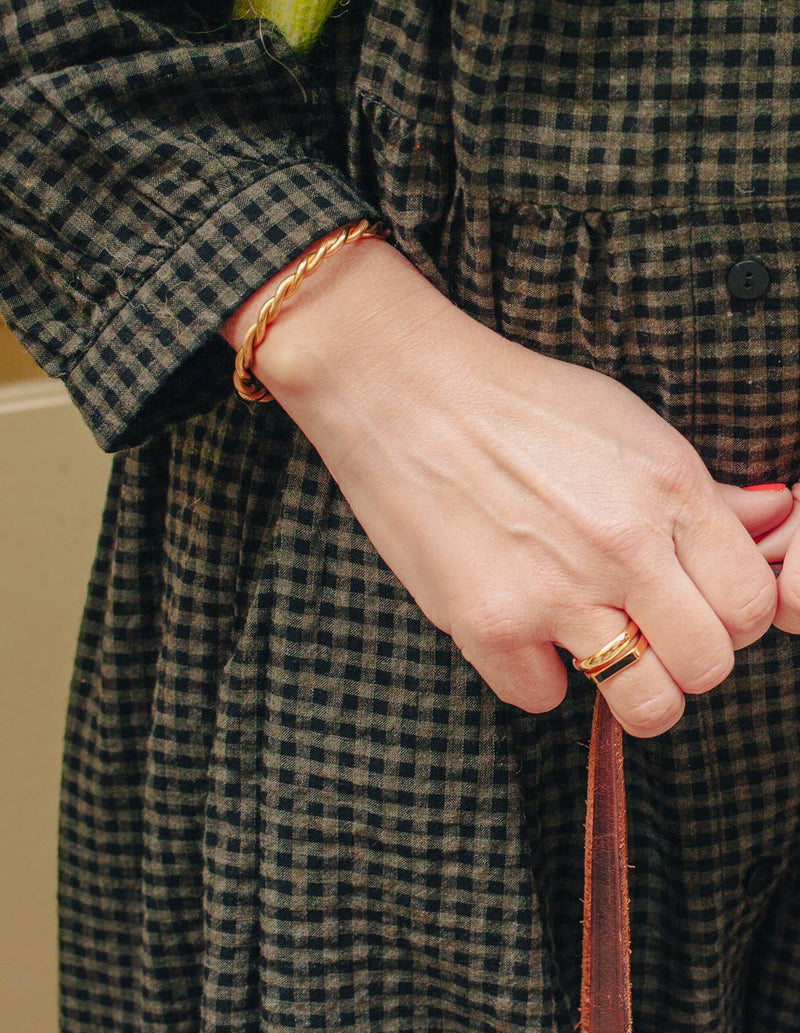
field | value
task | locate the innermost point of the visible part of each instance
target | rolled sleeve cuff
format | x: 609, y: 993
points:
x: 160, y: 359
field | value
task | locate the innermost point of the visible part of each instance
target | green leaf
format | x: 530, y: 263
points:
x: 299, y: 21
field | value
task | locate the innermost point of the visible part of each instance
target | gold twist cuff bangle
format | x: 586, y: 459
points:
x: 247, y: 385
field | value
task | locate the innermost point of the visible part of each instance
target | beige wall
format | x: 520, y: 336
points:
x: 15, y: 363
x: 53, y: 478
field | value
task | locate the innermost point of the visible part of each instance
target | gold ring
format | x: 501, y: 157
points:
x: 610, y: 651
x: 633, y: 653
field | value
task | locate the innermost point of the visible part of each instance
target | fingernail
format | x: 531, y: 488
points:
x: 764, y: 487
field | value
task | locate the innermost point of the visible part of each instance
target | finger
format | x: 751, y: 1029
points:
x: 723, y: 562
x: 519, y: 670
x: 688, y: 636
x: 787, y: 615
x: 644, y: 698
x: 760, y: 507
x: 774, y: 544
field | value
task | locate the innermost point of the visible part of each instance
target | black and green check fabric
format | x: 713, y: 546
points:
x: 288, y: 803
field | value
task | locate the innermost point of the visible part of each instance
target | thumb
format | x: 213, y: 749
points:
x: 760, y: 507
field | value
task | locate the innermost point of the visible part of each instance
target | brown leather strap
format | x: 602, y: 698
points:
x: 606, y: 982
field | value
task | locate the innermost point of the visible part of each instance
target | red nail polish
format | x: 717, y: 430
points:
x: 764, y: 487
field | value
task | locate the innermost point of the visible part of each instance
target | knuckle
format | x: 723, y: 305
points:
x: 787, y: 618
x: 790, y: 597
x: 677, y: 471
x: 757, y: 612
x: 654, y: 715
x: 711, y: 672
x: 534, y: 699
x: 494, y: 627
x: 621, y: 538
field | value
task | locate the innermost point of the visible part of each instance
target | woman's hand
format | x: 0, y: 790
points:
x: 523, y: 501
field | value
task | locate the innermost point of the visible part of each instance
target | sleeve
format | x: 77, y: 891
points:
x: 156, y: 169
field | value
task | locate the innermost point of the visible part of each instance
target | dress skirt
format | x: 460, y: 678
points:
x: 288, y: 802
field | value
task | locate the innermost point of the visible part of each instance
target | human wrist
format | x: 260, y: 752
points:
x: 245, y: 381
x: 362, y: 301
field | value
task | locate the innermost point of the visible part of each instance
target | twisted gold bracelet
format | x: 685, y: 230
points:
x: 247, y: 385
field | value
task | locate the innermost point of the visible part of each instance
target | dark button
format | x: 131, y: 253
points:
x: 748, y: 280
x: 759, y: 877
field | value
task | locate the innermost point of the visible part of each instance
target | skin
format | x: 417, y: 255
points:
x: 524, y: 502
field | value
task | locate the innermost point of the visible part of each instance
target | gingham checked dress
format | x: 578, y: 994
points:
x: 288, y: 803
